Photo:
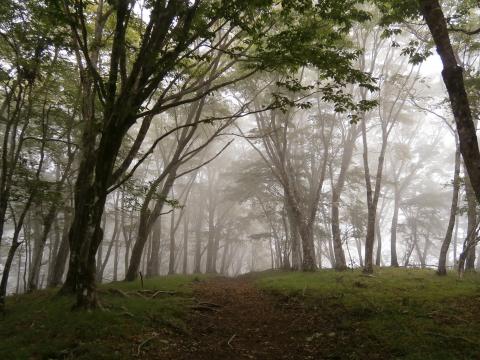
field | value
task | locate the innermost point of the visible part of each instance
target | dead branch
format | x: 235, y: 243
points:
x: 162, y: 292
x: 144, y: 342
x: 115, y: 291
x: 230, y: 340
x: 203, y: 308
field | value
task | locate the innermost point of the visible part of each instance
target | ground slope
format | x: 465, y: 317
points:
x: 395, y: 314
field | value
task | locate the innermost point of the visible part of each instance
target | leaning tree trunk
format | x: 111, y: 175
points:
x: 14, y: 246
x: 147, y: 220
x: 453, y: 78
x: 442, y: 260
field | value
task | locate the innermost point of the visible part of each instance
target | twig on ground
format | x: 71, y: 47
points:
x: 230, y: 340
x: 118, y: 292
x: 209, y: 304
x: 139, y: 348
x: 162, y: 292
x: 203, y: 308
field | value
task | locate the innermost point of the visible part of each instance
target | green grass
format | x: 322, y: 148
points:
x: 408, y: 314
x: 41, y: 325
x: 395, y: 314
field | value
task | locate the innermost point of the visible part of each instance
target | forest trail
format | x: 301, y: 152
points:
x: 241, y: 322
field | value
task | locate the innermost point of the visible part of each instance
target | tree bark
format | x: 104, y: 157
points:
x: 185, y: 243
x: 393, y: 229
x: 453, y: 78
x: 373, y: 195
x: 62, y: 254
x: 378, y: 235
x: 172, y: 252
x: 442, y: 260
x: 340, y: 262
x: 147, y: 220
x: 40, y: 246
x: 212, y: 205
x: 153, y: 267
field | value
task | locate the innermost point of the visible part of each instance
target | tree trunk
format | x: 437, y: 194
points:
x: 453, y: 78
x: 54, y: 249
x: 442, y: 260
x: 147, y: 220
x: 373, y: 195
x: 171, y: 262
x: 455, y: 243
x: 153, y: 268
x: 471, y: 225
x: 359, y: 246
x: 198, y: 241
x: 62, y: 254
x: 216, y: 244
x: 340, y: 262
x: 40, y: 246
x: 19, y: 270
x: 378, y: 235
x: 211, y: 231
x: 294, y: 238
x: 14, y: 246
x: 226, y: 249
x: 113, y: 241
x: 116, y: 258
x: 393, y: 229
x: 185, y: 244
x: 478, y: 261
x: 86, y: 234
x: 287, y: 249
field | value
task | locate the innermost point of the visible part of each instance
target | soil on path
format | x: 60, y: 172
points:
x: 235, y: 320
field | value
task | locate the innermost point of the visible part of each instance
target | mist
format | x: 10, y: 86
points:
x: 149, y: 138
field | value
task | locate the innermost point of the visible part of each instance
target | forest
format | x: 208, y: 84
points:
x: 263, y: 179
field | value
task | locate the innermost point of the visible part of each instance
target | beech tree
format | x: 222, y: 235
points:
x: 452, y: 73
x: 157, y: 137
x: 140, y: 81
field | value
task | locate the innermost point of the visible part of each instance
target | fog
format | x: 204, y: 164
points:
x: 238, y: 171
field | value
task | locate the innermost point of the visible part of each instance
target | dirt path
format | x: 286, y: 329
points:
x: 248, y: 324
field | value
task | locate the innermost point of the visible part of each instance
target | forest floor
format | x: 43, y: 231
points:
x: 394, y: 314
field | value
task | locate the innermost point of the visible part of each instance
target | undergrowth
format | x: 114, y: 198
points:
x: 41, y: 325
x: 404, y: 314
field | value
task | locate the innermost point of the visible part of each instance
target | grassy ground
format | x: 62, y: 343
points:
x: 41, y: 325
x: 395, y: 314
x: 409, y: 314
